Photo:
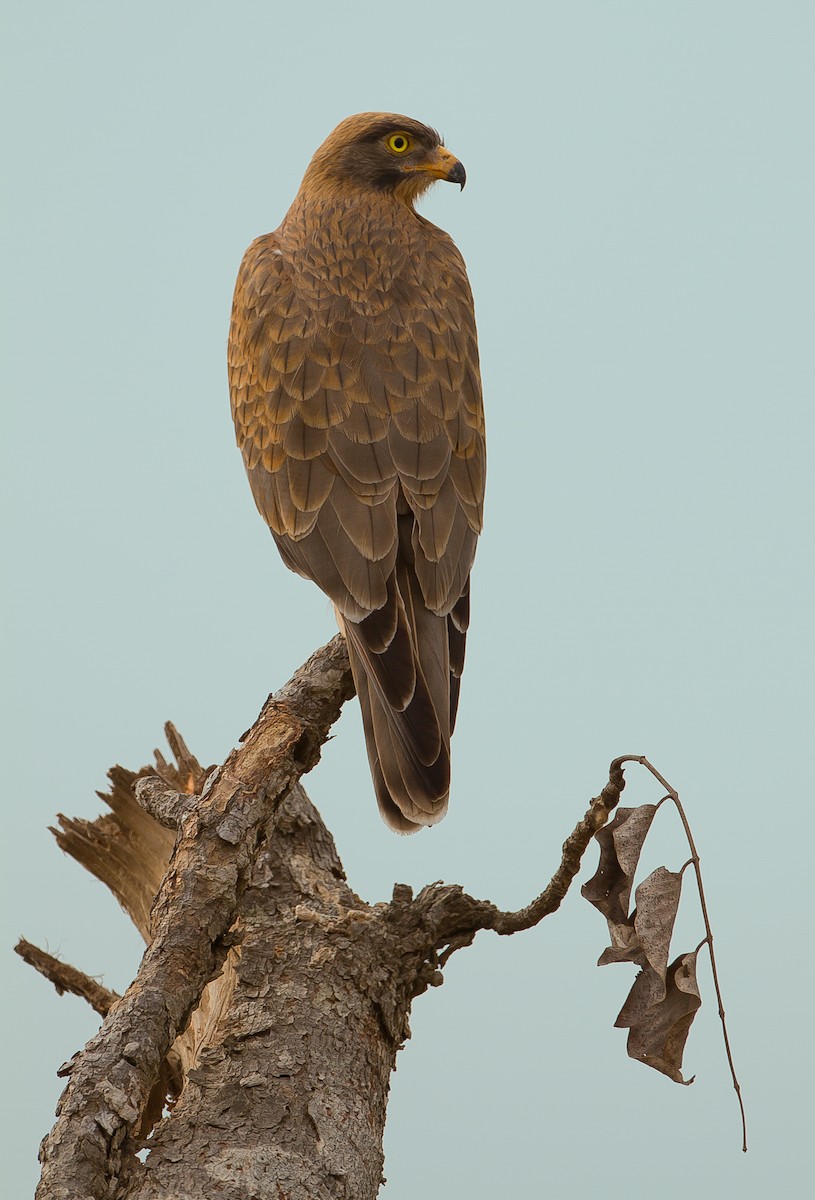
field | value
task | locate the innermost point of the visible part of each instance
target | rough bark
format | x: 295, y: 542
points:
x: 288, y: 1096
x: 271, y: 1001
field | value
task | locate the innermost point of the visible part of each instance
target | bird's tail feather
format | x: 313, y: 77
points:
x: 404, y: 689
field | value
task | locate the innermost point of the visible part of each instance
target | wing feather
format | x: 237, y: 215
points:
x: 371, y: 527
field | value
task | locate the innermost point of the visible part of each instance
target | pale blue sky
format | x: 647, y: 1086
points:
x: 638, y: 229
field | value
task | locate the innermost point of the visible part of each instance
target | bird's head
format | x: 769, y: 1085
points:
x: 383, y: 152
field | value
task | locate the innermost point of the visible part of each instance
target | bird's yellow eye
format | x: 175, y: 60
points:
x: 399, y: 143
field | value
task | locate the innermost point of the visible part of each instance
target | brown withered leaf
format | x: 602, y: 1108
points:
x: 645, y: 938
x: 659, y: 1016
x: 657, y: 899
x: 625, y: 945
x: 609, y: 889
x: 647, y: 991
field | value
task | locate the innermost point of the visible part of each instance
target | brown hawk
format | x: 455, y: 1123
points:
x: 356, y: 395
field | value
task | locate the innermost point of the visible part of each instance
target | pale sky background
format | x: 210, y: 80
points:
x: 638, y: 229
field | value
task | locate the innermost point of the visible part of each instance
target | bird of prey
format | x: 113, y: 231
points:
x: 356, y: 395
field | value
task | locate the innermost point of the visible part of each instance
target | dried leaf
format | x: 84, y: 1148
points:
x: 647, y: 991
x: 609, y: 890
x: 631, y: 834
x: 659, y: 1016
x: 657, y: 900
x: 625, y: 946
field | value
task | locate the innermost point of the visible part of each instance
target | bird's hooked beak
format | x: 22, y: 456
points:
x: 441, y: 164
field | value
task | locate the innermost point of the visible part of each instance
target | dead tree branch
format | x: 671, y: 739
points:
x: 271, y: 1001
x: 66, y: 978
x: 198, y: 901
x: 454, y: 917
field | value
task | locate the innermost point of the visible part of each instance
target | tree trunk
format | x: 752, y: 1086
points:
x: 287, y: 1096
x: 251, y: 1056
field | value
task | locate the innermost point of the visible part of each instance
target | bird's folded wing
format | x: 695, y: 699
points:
x: 339, y: 414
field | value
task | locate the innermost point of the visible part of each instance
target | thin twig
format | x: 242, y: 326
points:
x: 574, y: 848
x: 674, y: 796
x: 66, y: 978
x: 452, y: 917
